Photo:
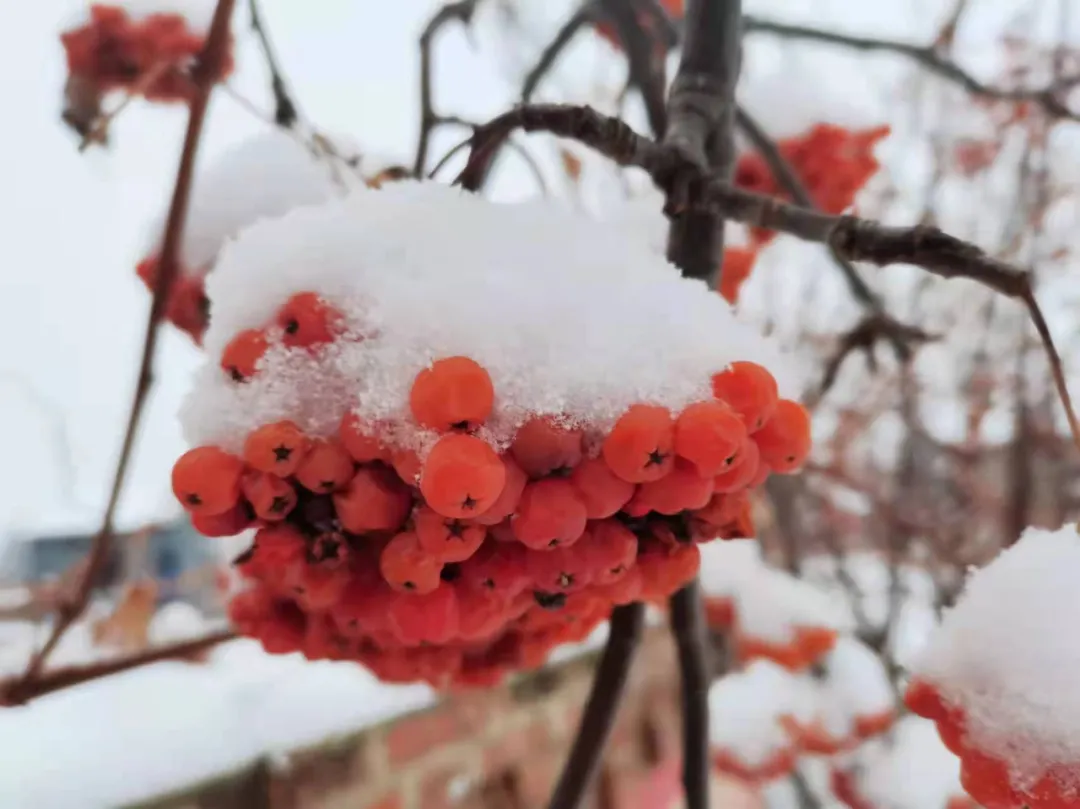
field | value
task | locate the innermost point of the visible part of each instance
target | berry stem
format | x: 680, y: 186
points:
x: 691, y: 639
x: 204, y: 75
x: 627, y: 624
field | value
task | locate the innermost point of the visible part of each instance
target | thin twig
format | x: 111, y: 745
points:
x: 565, y: 35
x: 461, y: 11
x: 926, y: 57
x: 624, y: 636
x: 644, y: 60
x: 18, y: 691
x: 285, y: 111
x: 691, y: 638
x: 204, y: 74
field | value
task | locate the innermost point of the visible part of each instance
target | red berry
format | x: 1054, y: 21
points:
x: 406, y: 566
x: 542, y: 446
x: 550, y: 514
x: 497, y: 568
x: 453, y: 394
x: 326, y: 468
x: 601, y: 490
x: 374, y: 500
x: 640, y: 447
x: 308, y: 320
x: 206, y: 480
x: 508, y: 499
x: 610, y: 549
x: 446, y: 539
x: 278, y: 447
x: 683, y: 489
x: 227, y: 524
x: 427, y: 618
x: 750, y: 390
x: 241, y: 356
x: 359, y: 442
x: 742, y: 471
x: 462, y: 476
x: 709, y: 434
x: 561, y: 570
x: 784, y: 441
x: 271, y: 497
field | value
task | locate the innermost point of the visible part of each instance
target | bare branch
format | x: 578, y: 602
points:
x: 578, y: 20
x: 695, y: 670
x: 926, y: 57
x: 285, y: 111
x: 203, y: 77
x: 460, y: 11
x: 644, y: 60
x: 17, y: 691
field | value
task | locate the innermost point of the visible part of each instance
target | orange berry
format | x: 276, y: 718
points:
x: 640, y: 445
x: 453, y: 394
x: 542, y: 446
x: 722, y: 509
x: 447, y: 539
x: 508, y: 499
x: 742, y: 471
x: 227, y: 524
x: 784, y: 441
x: 278, y: 448
x: 408, y: 567
x: 241, y: 356
x: 600, y: 489
x: 462, y: 476
x: 270, y: 496
x: 363, y: 446
x: 549, y: 515
x: 738, y: 262
x: 407, y: 465
x: 374, y: 500
x: 684, y: 488
x: 308, y: 320
x: 610, y: 549
x: 709, y: 434
x: 326, y: 468
x: 206, y: 480
x: 750, y: 390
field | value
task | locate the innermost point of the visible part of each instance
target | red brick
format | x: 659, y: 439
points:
x: 413, y: 736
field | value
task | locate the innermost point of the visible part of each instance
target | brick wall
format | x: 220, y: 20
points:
x: 498, y: 748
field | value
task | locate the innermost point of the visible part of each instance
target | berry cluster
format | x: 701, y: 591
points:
x: 987, y: 778
x: 147, y: 56
x: 834, y: 163
x: 457, y: 560
x: 187, y: 307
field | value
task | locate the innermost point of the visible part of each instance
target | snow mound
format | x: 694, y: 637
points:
x: 859, y: 679
x: 745, y: 711
x: 567, y: 316
x: 911, y: 770
x: 1008, y: 656
x: 258, y: 178
x: 770, y: 604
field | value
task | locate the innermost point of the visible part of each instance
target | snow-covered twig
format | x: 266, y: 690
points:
x: 285, y: 111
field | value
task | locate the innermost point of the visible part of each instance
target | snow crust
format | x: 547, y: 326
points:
x: 258, y: 178
x: 769, y: 604
x: 1007, y: 653
x: 568, y: 316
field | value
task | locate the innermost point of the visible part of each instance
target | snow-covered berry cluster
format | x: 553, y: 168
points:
x: 466, y: 430
x: 999, y: 682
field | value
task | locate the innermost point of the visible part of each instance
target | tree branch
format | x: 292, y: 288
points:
x: 645, y: 66
x: 203, y: 77
x: 285, y: 112
x: 461, y: 11
x: 578, y: 20
x: 624, y: 636
x: 691, y: 638
x: 926, y: 57
x: 18, y: 691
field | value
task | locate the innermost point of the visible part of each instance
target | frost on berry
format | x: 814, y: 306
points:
x: 447, y: 486
x: 997, y: 676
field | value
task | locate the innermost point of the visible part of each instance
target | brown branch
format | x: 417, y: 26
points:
x: 203, y: 76
x: 624, y: 636
x: 689, y: 186
x: 926, y: 57
x: 18, y: 691
x: 461, y: 11
x: 695, y: 672
x: 644, y: 61
x: 864, y: 336
x: 285, y: 111
x: 550, y: 55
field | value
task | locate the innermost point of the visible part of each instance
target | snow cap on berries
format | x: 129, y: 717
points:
x: 1007, y: 655
x: 568, y: 317
x: 745, y: 710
